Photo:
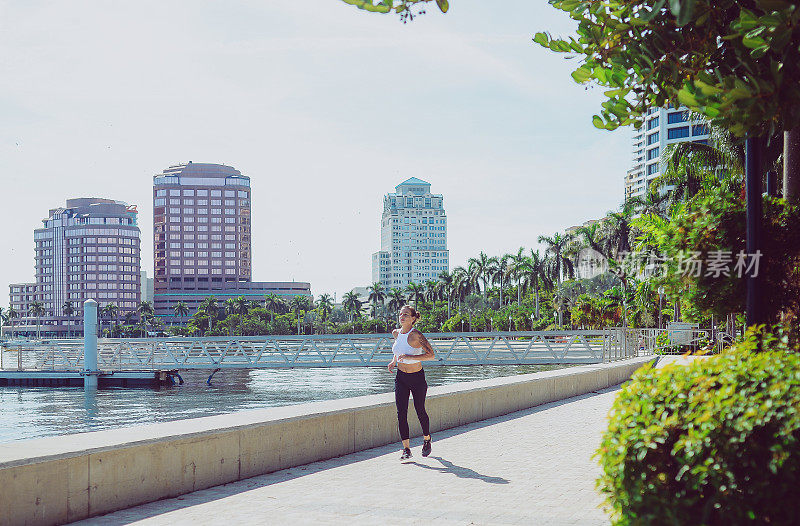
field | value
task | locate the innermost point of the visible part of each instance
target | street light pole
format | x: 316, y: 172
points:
x: 755, y: 314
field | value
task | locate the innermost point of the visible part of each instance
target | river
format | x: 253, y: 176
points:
x: 32, y: 412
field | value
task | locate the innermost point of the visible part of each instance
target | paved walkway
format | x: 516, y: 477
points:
x: 529, y: 467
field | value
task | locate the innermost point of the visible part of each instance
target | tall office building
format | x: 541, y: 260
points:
x: 413, y: 236
x: 88, y: 249
x: 203, y: 239
x: 662, y: 127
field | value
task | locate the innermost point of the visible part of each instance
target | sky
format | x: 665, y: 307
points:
x: 325, y: 107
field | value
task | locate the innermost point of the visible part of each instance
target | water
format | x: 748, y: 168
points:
x: 32, y: 412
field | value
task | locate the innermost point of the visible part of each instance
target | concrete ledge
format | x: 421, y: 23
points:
x: 60, y: 479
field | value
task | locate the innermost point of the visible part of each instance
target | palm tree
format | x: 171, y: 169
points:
x: 324, y: 308
x: 501, y: 271
x: 37, y: 310
x: 431, y: 291
x: 690, y: 166
x: 396, y: 299
x: 111, y: 311
x: 416, y: 292
x: 557, y: 245
x: 534, y: 272
x: 272, y: 304
x: 230, y: 308
x: 69, y: 311
x: 11, y: 313
x: 376, y: 294
x: 180, y: 309
x: 445, y: 285
x: 480, y: 268
x: 351, y: 304
x: 211, y: 308
x: 145, y: 310
x: 461, y: 283
x: 517, y: 270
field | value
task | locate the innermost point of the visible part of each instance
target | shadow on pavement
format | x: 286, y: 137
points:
x: 459, y: 471
x: 153, y: 509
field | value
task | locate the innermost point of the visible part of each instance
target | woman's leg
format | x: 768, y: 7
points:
x: 419, y: 389
x: 401, y: 392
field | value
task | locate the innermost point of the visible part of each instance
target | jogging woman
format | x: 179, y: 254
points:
x: 410, y: 347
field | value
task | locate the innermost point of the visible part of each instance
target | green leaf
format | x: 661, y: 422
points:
x: 581, y: 75
x: 687, y: 99
x: 443, y: 5
x: 543, y: 39
x: 598, y: 122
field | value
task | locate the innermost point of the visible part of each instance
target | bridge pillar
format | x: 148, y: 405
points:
x: 90, y: 344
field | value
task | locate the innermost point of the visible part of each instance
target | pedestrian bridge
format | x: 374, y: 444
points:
x: 340, y: 350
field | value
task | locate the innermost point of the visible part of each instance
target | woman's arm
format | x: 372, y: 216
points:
x: 418, y: 340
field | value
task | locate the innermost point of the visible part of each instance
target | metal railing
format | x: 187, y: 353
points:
x: 644, y: 342
x: 349, y: 350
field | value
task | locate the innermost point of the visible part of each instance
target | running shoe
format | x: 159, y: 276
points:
x: 406, y: 454
x: 426, y: 448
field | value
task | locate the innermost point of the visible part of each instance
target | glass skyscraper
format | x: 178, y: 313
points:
x: 413, y: 236
x: 662, y: 127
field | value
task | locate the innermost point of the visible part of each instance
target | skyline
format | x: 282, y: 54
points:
x: 323, y: 110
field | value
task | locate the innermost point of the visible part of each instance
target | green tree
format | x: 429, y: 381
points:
x: 180, y: 309
x: 11, y: 313
x: 272, y: 303
x: 210, y: 307
x: 69, y: 312
x: 445, y: 286
x: 37, y: 310
x: 376, y: 295
x: 416, y: 292
x: 110, y: 311
x: 557, y: 245
x: 480, y: 268
x: 396, y: 299
x: 351, y: 304
x: 324, y: 308
x: 737, y: 63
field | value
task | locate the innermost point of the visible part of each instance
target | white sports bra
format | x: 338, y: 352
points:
x: 401, y: 347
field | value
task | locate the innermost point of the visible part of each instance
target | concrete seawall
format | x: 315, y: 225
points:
x: 61, y: 479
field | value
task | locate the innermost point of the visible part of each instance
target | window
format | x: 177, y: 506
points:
x: 700, y: 129
x: 653, y: 153
x: 678, y: 133
x: 652, y: 123
x: 652, y: 138
x: 676, y: 117
x: 652, y: 168
x: 188, y: 192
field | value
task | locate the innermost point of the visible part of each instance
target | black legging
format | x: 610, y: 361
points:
x: 405, y: 383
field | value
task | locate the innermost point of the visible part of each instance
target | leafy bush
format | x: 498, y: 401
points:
x: 714, y: 442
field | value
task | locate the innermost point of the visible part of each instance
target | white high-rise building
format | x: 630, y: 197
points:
x: 662, y: 127
x: 413, y: 236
